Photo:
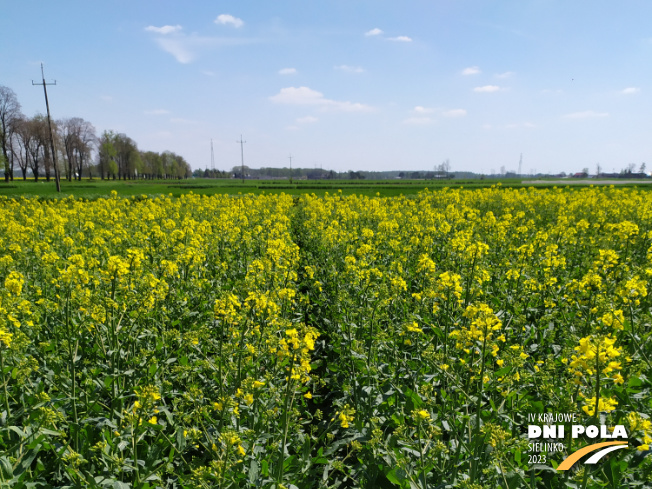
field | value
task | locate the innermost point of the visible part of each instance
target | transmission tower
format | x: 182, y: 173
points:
x: 242, y: 155
x: 212, y: 161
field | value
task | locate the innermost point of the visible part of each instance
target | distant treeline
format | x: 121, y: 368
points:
x: 268, y: 173
x: 78, y: 151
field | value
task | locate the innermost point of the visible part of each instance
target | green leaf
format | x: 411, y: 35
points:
x: 6, y: 469
x: 253, y: 472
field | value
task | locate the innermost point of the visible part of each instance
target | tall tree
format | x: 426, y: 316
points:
x: 37, y: 127
x: 23, y: 139
x: 9, y: 114
x: 86, y: 140
x: 69, y: 134
x: 106, y: 153
x: 126, y: 155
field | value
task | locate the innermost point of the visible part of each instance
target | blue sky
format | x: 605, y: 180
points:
x: 347, y: 84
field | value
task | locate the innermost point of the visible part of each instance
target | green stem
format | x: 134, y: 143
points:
x: 288, y: 405
x: 422, y: 470
x: 4, y: 381
x: 478, y: 409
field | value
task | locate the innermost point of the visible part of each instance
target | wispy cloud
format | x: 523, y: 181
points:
x: 417, y: 121
x: 422, y: 110
x: 507, y: 74
x: 487, y: 89
x: 307, y: 120
x: 157, y: 112
x: 471, y: 70
x: 307, y: 96
x: 226, y: 19
x: 350, y: 69
x: 186, y: 48
x: 179, y: 120
x: 454, y: 113
x: 587, y: 114
x: 526, y: 125
x: 373, y: 32
x: 400, y: 39
x: 166, y: 29
x: 630, y: 90
x: 287, y: 71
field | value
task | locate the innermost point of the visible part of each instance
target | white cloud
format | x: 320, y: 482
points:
x: 417, y: 121
x: 454, y: 113
x: 157, y: 112
x: 225, y: 19
x: 373, y: 32
x: 422, y: 110
x: 307, y: 96
x: 471, y: 70
x: 166, y: 29
x: 400, y: 39
x: 287, y: 71
x: 587, y: 114
x: 630, y: 90
x: 307, y: 120
x: 507, y: 74
x: 487, y: 89
x: 350, y: 69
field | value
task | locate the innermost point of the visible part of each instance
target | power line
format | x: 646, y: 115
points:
x: 47, y: 106
x: 242, y: 155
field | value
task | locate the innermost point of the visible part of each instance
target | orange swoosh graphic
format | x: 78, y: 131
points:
x: 575, y: 456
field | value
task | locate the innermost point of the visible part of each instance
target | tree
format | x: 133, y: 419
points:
x: 37, y: 127
x: 126, y: 153
x: 70, y: 129
x: 642, y: 168
x: 22, y: 140
x: 85, y: 142
x: 106, y: 153
x: 9, y: 115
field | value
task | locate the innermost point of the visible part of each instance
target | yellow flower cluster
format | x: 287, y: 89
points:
x: 597, y: 353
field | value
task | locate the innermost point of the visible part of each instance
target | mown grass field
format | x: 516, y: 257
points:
x: 322, y: 341
x: 95, y: 188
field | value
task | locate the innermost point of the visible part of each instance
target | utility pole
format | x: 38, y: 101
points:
x: 47, y: 106
x: 242, y: 155
x: 520, y: 163
x: 290, y: 167
x: 212, y: 161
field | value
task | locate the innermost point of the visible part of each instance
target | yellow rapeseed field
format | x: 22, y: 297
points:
x: 322, y: 342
